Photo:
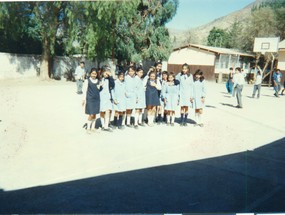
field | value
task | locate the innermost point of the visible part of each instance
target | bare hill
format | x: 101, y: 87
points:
x: 199, y: 35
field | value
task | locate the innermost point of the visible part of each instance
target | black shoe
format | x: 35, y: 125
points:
x: 107, y: 129
x: 85, y: 126
x: 142, y: 124
x: 136, y: 127
x: 111, y: 126
x: 185, y: 124
x: 129, y: 126
x: 121, y: 127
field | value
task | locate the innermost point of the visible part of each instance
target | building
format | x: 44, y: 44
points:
x: 211, y: 60
x: 281, y: 55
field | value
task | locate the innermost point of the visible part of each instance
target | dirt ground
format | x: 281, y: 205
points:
x: 42, y: 140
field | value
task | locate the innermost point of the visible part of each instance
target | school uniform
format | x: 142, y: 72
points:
x: 185, y: 88
x: 163, y: 87
x: 152, y: 95
x: 140, y: 93
x: 199, y: 91
x: 105, y: 96
x: 119, y: 95
x: 92, y: 97
x: 171, y: 94
x: 130, y: 83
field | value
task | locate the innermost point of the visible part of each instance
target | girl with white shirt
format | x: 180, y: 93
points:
x: 257, y: 85
x: 91, y: 99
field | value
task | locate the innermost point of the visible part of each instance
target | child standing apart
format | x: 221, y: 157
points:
x: 152, y: 97
x: 185, y: 92
x: 170, y: 94
x: 119, y: 99
x: 107, y: 84
x: 91, y: 99
x: 140, y: 103
x: 257, y: 85
x: 199, y: 93
x: 130, y: 82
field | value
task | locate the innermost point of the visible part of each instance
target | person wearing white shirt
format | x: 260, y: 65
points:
x: 80, y: 76
x: 257, y: 85
x: 238, y: 86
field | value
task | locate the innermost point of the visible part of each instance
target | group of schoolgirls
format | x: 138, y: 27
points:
x: 153, y: 98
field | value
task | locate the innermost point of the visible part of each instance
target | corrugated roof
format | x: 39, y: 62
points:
x: 216, y: 50
x: 282, y: 45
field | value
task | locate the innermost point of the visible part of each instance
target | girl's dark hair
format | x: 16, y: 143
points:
x: 199, y: 72
x: 171, y: 74
x: 238, y: 69
x: 94, y: 70
x: 188, y: 67
x: 131, y: 67
x: 121, y: 73
x: 152, y: 72
x: 164, y: 72
x: 157, y: 63
x: 139, y: 69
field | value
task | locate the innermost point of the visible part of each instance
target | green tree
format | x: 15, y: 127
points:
x: 218, y: 37
x: 14, y: 23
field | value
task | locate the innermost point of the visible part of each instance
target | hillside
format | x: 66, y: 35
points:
x: 199, y: 35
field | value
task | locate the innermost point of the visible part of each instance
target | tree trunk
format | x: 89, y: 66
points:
x: 46, y: 56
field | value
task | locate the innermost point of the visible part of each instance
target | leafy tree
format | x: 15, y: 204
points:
x: 130, y: 30
x: 14, y: 22
x: 218, y: 37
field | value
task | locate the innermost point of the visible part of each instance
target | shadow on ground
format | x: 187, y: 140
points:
x: 251, y: 181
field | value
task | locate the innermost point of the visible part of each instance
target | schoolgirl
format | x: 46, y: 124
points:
x: 145, y: 79
x: 91, y: 99
x: 107, y: 84
x: 131, y: 84
x: 152, y: 96
x: 119, y: 99
x: 170, y: 94
x: 159, y: 108
x: 185, y: 92
x: 199, y: 93
x: 162, y: 112
x: 140, y: 95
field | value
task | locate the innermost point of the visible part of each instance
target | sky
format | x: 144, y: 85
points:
x: 193, y: 13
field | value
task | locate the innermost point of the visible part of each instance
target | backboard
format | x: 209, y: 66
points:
x: 266, y: 44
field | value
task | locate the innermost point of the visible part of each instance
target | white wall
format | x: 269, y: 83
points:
x: 24, y: 66
x: 192, y: 56
x: 16, y: 66
x: 281, y: 60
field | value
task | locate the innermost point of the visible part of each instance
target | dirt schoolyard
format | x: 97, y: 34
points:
x: 43, y: 142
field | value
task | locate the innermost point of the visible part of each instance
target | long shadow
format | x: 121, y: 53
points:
x: 229, y: 105
x: 250, y: 181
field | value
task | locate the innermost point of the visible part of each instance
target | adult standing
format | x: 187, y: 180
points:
x: 230, y: 83
x: 238, y: 86
x: 277, y: 76
x: 257, y: 85
x: 80, y: 76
